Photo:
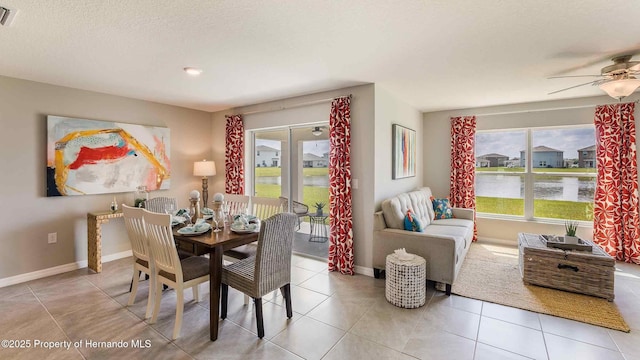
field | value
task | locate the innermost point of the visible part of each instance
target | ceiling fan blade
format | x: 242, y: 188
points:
x: 575, y: 86
x: 572, y: 76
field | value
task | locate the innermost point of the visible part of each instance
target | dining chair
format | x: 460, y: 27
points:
x: 268, y: 270
x: 169, y: 269
x: 142, y: 262
x: 264, y: 207
x: 236, y: 204
x: 158, y: 204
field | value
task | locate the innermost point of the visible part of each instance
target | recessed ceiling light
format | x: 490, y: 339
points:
x: 193, y: 71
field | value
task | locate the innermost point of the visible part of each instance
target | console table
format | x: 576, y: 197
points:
x: 94, y: 236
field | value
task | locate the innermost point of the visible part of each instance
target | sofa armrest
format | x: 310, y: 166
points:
x: 461, y: 213
x: 378, y: 221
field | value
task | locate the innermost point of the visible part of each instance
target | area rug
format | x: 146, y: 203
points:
x: 490, y: 273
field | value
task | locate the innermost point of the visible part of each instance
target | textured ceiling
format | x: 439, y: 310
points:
x: 433, y: 54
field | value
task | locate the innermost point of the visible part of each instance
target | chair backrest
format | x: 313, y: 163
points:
x: 134, y: 222
x: 157, y: 205
x: 273, y: 254
x: 264, y: 208
x: 162, y: 244
x: 236, y: 204
x: 297, y: 207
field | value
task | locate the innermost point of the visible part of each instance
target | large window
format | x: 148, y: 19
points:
x: 557, y: 183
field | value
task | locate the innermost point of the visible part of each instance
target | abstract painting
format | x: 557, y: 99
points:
x: 404, y: 152
x: 98, y: 157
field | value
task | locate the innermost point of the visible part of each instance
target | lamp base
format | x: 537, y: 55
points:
x: 205, y: 191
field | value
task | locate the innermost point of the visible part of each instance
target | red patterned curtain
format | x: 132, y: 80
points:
x: 462, y: 191
x: 340, y: 217
x: 615, y: 210
x: 234, y: 155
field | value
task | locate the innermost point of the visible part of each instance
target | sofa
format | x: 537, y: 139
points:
x: 443, y: 243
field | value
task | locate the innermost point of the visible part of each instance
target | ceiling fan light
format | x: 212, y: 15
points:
x: 316, y: 131
x: 618, y: 89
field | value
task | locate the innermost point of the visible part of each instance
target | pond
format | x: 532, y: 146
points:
x: 569, y: 188
x: 320, y: 181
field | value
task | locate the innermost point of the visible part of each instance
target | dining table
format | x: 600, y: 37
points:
x: 214, y: 244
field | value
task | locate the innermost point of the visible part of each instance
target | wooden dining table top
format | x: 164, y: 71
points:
x: 210, y: 239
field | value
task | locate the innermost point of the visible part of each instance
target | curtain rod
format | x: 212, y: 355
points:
x: 306, y: 103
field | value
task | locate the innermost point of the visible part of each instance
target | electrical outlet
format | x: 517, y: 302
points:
x: 52, y: 238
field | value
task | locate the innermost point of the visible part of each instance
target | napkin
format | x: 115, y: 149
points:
x: 200, y: 225
x: 182, y: 212
x: 207, y: 211
x: 403, y: 255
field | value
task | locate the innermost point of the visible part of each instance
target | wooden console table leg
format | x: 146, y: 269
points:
x: 94, y: 237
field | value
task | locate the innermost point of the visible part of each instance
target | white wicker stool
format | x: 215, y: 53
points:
x: 406, y: 281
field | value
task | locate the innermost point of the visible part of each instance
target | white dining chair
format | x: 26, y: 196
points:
x: 236, y: 204
x: 169, y: 269
x: 264, y: 207
x: 142, y: 262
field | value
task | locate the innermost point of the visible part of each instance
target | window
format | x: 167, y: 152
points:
x: 558, y: 183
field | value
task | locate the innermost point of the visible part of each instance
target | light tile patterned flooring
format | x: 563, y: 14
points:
x: 335, y: 317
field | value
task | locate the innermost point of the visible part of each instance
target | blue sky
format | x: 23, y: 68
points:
x: 510, y: 143
x: 313, y: 147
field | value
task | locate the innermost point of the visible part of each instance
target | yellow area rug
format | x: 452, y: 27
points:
x: 490, y: 273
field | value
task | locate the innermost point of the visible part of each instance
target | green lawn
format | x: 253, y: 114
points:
x: 312, y: 194
x: 555, y: 209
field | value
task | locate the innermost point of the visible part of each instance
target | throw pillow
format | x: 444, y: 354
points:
x: 442, y: 208
x: 411, y: 223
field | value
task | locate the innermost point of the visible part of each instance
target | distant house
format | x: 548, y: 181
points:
x: 544, y: 157
x: 482, y: 162
x: 515, y: 162
x: 314, y: 161
x: 587, y: 157
x: 494, y: 160
x: 267, y: 156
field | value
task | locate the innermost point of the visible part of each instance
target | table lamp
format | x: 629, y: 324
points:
x: 205, y: 169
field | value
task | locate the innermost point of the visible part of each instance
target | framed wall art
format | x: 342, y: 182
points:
x: 404, y: 152
x: 98, y: 157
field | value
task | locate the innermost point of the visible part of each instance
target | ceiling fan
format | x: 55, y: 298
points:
x: 617, y: 80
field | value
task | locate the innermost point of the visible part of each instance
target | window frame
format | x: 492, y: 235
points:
x: 529, y: 175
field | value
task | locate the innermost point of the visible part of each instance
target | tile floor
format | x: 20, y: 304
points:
x: 335, y: 317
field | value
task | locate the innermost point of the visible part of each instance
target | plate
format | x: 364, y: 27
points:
x: 189, y: 230
x: 245, y: 230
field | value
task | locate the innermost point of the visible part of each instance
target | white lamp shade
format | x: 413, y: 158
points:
x: 204, y: 168
x: 620, y: 88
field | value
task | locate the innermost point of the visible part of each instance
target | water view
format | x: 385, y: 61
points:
x: 321, y: 181
x: 568, y: 188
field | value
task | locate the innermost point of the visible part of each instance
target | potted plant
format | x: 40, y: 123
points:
x: 319, y: 206
x: 570, y: 232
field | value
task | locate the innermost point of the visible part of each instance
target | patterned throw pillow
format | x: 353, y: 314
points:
x: 411, y: 223
x: 442, y: 208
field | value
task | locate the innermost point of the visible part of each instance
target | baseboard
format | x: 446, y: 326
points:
x: 17, y: 279
x: 363, y: 270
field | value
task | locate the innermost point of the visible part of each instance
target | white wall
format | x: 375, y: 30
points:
x: 27, y: 215
x: 548, y: 113
x: 391, y: 110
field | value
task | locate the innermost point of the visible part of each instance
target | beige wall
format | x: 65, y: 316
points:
x: 27, y: 215
x: 549, y: 113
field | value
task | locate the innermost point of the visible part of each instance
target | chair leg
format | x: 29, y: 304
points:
x: 152, y: 290
x: 286, y: 293
x: 196, y: 294
x: 156, y: 307
x: 259, y: 320
x: 134, y: 276
x: 133, y: 289
x: 224, y: 297
x: 179, y: 310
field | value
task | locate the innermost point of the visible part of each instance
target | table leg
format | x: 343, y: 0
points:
x: 94, y: 236
x: 215, y: 273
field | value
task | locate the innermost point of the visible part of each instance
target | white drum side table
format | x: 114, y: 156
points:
x: 406, y: 283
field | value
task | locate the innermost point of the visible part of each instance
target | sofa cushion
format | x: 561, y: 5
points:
x: 411, y: 223
x: 449, y: 231
x: 442, y: 208
x: 453, y: 222
x: 395, y: 208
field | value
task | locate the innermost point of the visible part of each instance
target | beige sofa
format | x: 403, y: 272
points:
x: 443, y: 243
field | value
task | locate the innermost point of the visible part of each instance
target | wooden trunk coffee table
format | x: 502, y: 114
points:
x: 584, y: 272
